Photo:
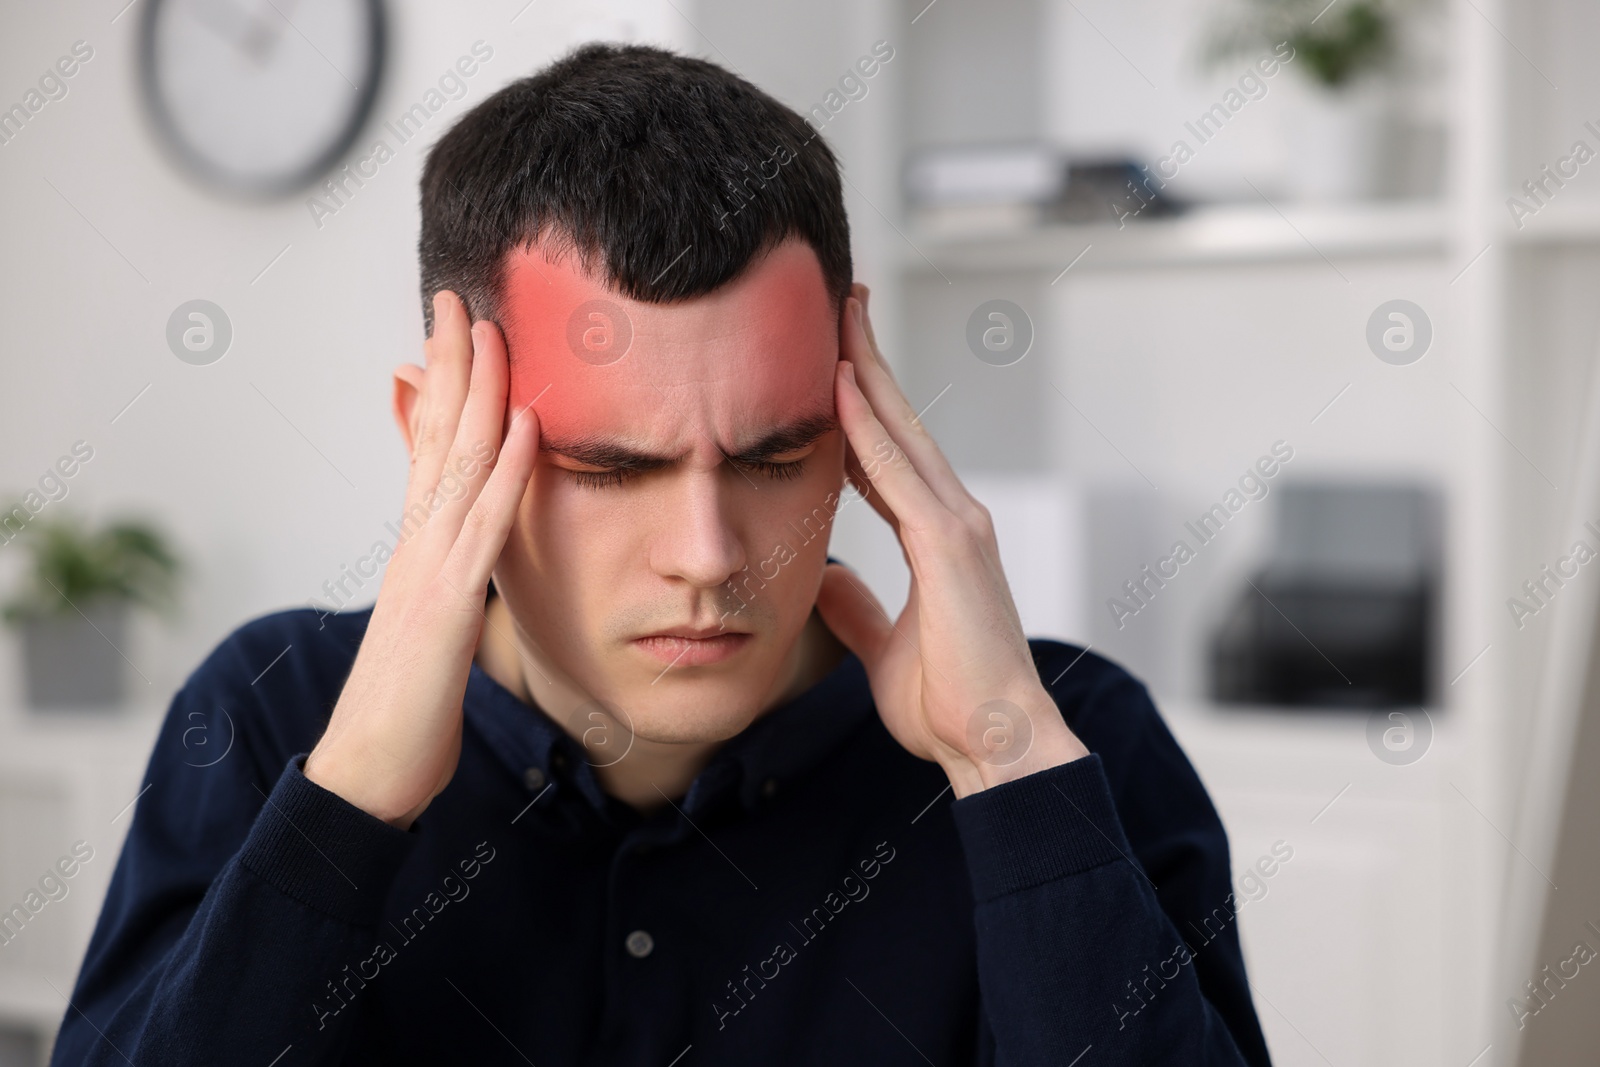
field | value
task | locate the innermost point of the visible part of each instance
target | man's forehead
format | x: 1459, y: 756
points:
x: 781, y: 293
x: 753, y: 357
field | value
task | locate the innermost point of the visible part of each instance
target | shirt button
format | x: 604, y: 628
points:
x: 558, y: 761
x: 769, y: 788
x: 533, y: 778
x: 640, y: 944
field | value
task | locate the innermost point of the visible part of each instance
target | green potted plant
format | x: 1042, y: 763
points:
x: 1342, y: 49
x: 72, y: 607
x: 1334, y: 44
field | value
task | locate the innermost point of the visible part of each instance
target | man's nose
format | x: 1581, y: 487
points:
x: 696, y: 537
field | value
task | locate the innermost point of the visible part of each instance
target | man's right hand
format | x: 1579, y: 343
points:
x: 394, y: 739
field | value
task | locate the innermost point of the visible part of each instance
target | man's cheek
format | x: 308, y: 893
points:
x: 562, y: 523
x: 796, y: 546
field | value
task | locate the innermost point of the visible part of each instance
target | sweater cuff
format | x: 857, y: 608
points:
x: 323, y: 851
x: 1043, y: 826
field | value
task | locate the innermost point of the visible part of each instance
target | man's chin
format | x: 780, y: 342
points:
x: 689, y: 706
x: 690, y: 717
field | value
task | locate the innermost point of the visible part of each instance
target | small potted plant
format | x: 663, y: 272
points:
x: 1340, y: 48
x: 73, y: 605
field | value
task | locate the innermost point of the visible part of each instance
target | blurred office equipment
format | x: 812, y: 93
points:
x: 1342, y: 613
x: 1113, y: 190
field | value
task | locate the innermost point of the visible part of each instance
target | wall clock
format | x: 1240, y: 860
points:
x: 260, y: 97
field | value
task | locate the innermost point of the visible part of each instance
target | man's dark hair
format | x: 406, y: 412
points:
x: 668, y: 173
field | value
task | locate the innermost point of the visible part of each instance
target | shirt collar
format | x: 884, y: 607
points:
x: 789, y: 741
x: 755, y: 765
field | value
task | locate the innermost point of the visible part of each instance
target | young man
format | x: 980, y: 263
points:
x: 680, y: 791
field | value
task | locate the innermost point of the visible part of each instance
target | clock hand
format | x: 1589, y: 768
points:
x: 278, y: 23
x: 227, y: 21
x: 285, y: 20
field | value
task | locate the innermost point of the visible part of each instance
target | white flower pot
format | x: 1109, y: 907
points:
x: 1337, y: 140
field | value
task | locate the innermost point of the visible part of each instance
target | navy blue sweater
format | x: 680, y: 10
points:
x: 817, y: 897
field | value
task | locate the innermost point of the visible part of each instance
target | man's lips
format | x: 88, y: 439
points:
x: 693, y: 631
x: 682, y: 647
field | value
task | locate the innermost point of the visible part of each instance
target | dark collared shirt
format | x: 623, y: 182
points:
x: 818, y: 896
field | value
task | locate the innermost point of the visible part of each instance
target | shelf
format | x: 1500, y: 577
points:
x: 1571, y: 218
x: 1305, y: 753
x: 1213, y: 234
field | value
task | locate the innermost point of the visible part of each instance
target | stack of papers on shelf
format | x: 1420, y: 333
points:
x: 984, y: 187
x: 998, y: 188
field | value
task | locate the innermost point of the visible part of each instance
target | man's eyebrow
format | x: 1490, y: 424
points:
x: 606, y: 452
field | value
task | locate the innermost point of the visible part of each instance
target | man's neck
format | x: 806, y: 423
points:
x: 652, y: 772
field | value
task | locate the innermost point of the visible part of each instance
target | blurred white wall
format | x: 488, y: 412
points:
x: 280, y: 463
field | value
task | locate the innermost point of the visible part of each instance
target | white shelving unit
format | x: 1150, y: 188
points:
x: 1172, y: 352
x: 65, y: 776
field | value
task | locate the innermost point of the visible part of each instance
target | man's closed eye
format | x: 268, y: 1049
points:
x: 604, y: 479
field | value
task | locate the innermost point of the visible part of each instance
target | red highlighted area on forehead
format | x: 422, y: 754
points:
x: 694, y: 379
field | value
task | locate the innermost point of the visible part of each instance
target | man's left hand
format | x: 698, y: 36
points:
x: 953, y: 677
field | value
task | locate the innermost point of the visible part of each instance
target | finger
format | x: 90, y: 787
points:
x: 449, y: 356
x: 888, y: 469
x: 899, y: 417
x: 863, y: 483
x: 488, y: 523
x: 483, y: 416
x: 862, y: 293
x: 479, y: 437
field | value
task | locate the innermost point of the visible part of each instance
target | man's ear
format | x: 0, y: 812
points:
x: 408, y: 378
